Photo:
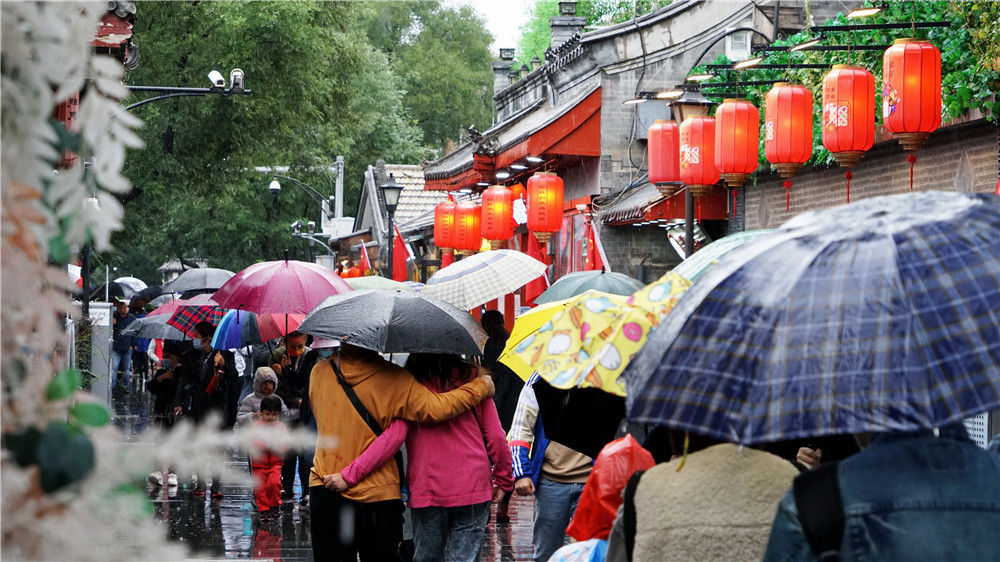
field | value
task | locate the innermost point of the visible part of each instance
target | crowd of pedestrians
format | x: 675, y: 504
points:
x: 423, y: 442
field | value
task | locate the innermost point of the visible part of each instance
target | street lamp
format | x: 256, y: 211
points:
x: 390, y: 193
x: 325, y: 202
x: 690, y: 104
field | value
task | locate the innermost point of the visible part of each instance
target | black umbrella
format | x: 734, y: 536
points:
x: 583, y: 419
x: 115, y: 291
x: 198, y: 278
x: 154, y: 327
x: 150, y: 293
x: 396, y: 322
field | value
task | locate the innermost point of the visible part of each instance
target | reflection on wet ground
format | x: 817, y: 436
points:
x: 230, y: 527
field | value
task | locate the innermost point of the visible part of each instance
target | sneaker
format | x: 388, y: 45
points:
x: 155, y: 478
x: 171, y: 480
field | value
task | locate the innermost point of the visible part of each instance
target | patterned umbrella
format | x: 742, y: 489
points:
x: 283, y: 287
x: 695, y: 266
x: 483, y: 277
x: 189, y: 312
x: 526, y: 325
x: 879, y: 315
x: 573, y: 284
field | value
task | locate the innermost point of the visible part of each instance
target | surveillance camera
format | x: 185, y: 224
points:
x: 217, y: 80
x: 311, y: 226
x: 274, y: 186
x: 236, y: 80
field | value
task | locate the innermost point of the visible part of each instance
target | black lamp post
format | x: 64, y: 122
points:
x: 690, y: 104
x: 390, y: 192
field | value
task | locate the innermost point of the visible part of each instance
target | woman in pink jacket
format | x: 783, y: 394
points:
x: 454, y: 468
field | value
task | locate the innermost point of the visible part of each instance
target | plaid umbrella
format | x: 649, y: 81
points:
x: 483, y: 277
x: 876, y: 316
x: 200, y: 308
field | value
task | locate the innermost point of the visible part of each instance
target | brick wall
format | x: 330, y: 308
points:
x: 957, y: 158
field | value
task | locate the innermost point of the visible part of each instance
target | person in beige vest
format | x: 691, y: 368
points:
x: 719, y: 506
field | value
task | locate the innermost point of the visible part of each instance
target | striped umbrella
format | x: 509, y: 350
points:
x: 483, y: 277
x: 881, y: 315
x: 200, y: 308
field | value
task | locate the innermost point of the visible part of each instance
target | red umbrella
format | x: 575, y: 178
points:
x: 280, y: 287
x: 272, y: 326
x: 188, y: 312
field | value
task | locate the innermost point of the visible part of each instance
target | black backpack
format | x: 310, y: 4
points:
x: 821, y: 510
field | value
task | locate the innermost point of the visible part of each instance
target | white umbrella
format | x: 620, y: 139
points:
x: 133, y: 283
x: 483, y: 277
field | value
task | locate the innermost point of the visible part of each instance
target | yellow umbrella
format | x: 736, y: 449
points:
x: 593, y: 339
x: 524, y: 326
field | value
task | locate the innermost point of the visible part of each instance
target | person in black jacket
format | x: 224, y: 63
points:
x: 293, y: 362
x: 163, y: 385
x: 508, y: 384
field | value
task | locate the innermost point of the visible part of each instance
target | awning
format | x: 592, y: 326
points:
x: 645, y: 203
x: 571, y: 129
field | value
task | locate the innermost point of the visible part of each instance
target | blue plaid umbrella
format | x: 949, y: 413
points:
x: 483, y: 277
x: 879, y: 315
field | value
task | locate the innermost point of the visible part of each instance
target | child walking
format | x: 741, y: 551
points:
x: 265, y: 464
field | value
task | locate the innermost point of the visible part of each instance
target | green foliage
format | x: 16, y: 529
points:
x: 967, y: 81
x: 319, y: 89
x: 441, y: 56
x: 88, y: 413
x: 65, y: 455
x: 536, y: 36
x: 63, y: 385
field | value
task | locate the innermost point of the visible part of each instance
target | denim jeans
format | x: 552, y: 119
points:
x: 449, y: 533
x: 121, y: 364
x: 555, y: 504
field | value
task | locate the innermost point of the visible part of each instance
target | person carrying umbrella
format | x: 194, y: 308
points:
x: 353, y: 394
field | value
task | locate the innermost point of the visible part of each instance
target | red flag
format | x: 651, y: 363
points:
x: 594, y: 261
x: 447, y: 258
x: 399, y: 255
x: 365, y: 265
x: 538, y: 286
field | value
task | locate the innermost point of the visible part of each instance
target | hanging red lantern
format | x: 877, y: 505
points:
x: 545, y: 202
x: 737, y: 140
x: 663, y: 153
x: 517, y: 190
x: 498, y: 216
x: 444, y: 224
x: 467, y: 227
x: 911, y: 91
x: 848, y: 113
x: 788, y: 131
x: 697, y: 168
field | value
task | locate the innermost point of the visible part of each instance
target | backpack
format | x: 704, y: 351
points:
x: 821, y: 510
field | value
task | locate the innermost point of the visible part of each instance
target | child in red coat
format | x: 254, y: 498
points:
x: 265, y: 464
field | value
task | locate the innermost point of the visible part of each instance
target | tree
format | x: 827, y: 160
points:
x: 319, y: 89
x: 536, y: 36
x: 441, y: 55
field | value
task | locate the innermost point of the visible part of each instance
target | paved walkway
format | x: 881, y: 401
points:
x: 229, y: 528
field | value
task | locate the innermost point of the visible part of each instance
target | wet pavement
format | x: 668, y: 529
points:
x: 230, y: 528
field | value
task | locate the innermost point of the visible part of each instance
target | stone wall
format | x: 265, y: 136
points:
x: 957, y: 158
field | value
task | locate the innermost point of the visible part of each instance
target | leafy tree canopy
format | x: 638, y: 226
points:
x: 536, y: 36
x: 322, y: 86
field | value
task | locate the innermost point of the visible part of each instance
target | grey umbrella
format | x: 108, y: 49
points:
x: 396, y: 322
x: 198, y: 279
x: 154, y: 327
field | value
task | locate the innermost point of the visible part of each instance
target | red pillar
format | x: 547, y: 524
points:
x: 508, y: 312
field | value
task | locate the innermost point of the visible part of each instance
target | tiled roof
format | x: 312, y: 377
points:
x: 414, y: 202
x: 631, y: 206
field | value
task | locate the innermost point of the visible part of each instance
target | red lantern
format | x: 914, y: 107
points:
x: 911, y: 91
x: 467, y: 231
x: 737, y: 140
x: 698, y: 169
x: 788, y: 131
x: 545, y: 202
x: 517, y: 190
x: 664, y: 157
x: 444, y: 224
x: 848, y: 113
x: 498, y: 216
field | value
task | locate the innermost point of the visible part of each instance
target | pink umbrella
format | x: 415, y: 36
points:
x: 272, y: 326
x: 280, y: 287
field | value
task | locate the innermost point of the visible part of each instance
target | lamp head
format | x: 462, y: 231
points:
x: 391, y: 191
x: 690, y: 104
